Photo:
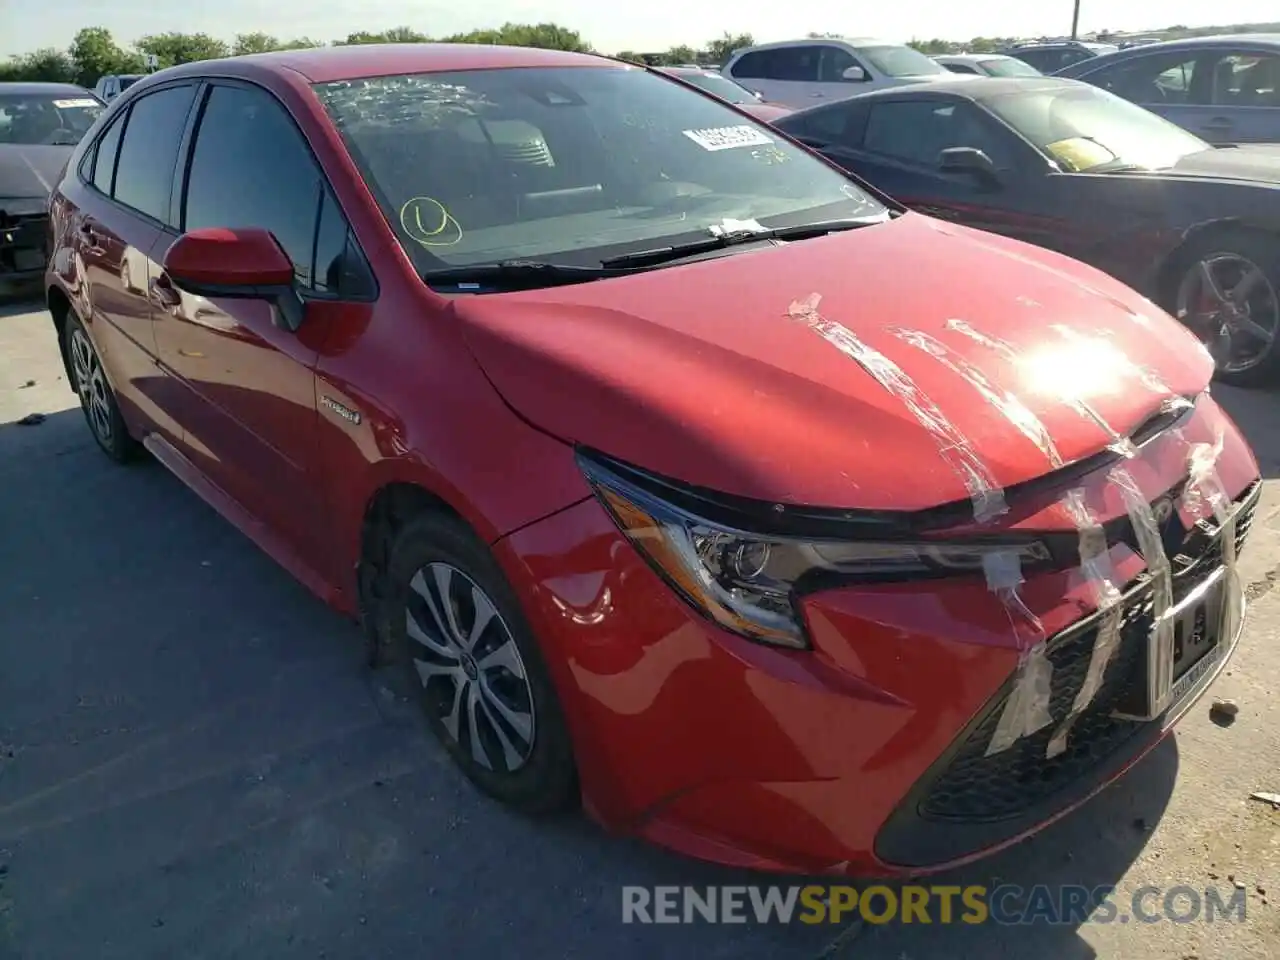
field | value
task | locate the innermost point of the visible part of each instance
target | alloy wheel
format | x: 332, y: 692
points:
x: 91, y: 384
x: 471, y: 670
x: 1230, y: 304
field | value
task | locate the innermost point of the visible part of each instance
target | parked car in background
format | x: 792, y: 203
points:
x: 799, y: 72
x: 987, y: 65
x: 112, y: 85
x: 1075, y: 169
x: 40, y: 124
x: 503, y: 425
x: 1223, y: 89
x: 1050, y: 56
x: 729, y: 91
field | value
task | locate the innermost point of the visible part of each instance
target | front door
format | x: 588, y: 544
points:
x: 248, y: 386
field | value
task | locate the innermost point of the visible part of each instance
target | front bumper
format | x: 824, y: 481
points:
x: 24, y: 246
x: 864, y: 755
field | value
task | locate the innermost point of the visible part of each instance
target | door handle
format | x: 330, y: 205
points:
x: 1219, y: 123
x: 166, y: 293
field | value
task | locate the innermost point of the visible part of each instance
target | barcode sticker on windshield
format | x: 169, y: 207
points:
x: 77, y: 102
x: 726, y: 138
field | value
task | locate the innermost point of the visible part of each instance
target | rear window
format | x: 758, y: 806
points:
x: 570, y: 164
x: 900, y: 61
x: 47, y: 118
x: 1008, y: 67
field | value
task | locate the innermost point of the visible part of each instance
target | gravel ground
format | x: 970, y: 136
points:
x: 194, y: 763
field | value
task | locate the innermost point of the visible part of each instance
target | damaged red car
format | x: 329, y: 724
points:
x: 680, y: 473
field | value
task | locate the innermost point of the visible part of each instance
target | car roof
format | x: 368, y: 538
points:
x: 35, y: 89
x: 1248, y: 41
x: 813, y: 41
x: 356, y: 61
x: 971, y: 57
x: 961, y: 87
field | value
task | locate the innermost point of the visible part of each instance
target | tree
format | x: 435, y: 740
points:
x: 94, y: 53
x: 174, y: 48
x: 253, y: 43
x: 722, y: 49
x: 629, y: 55
x: 548, y: 36
x: 48, y: 65
x: 680, y: 54
x: 394, y: 35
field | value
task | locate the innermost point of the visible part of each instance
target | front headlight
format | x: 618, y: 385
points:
x: 749, y: 583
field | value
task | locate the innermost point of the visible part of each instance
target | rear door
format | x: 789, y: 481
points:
x: 129, y: 176
x: 248, y: 386
x: 1244, y: 99
x: 787, y: 75
x: 1174, y: 85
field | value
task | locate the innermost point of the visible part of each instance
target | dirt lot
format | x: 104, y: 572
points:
x: 193, y: 762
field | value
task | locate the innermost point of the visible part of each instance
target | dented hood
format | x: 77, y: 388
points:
x: 763, y: 373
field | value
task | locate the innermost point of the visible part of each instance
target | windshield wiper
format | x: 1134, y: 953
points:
x: 730, y: 238
x: 516, y: 275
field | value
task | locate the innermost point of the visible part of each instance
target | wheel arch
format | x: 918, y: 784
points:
x: 59, y: 305
x: 1195, y: 236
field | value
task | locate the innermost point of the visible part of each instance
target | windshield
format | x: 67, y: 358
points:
x: 722, y: 87
x: 570, y: 165
x: 1087, y: 129
x: 900, y: 61
x: 46, y: 118
x: 1008, y: 67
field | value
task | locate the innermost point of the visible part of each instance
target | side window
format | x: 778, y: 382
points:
x: 835, y: 61
x: 340, y: 269
x: 826, y: 125
x: 101, y: 167
x: 960, y: 68
x: 1246, y: 80
x: 752, y: 66
x: 1149, y: 80
x: 251, y: 168
x: 149, y: 150
x: 799, y: 64
x: 917, y: 131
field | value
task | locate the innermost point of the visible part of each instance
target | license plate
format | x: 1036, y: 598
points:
x: 1196, y: 638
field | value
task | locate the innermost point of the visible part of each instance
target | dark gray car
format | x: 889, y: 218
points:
x: 1223, y: 89
x: 40, y: 125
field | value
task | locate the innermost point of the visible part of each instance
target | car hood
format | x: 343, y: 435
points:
x: 1253, y: 162
x: 30, y: 171
x: 755, y: 374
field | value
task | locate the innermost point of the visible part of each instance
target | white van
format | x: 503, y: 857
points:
x: 803, y: 73
x: 114, y: 84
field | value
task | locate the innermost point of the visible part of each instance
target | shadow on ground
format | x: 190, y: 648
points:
x: 194, y: 763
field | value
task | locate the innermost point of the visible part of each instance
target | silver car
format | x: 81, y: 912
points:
x: 1223, y: 89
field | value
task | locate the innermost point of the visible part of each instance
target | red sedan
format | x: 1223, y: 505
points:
x: 682, y: 473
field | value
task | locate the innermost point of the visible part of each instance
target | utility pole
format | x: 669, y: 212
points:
x: 1075, y: 21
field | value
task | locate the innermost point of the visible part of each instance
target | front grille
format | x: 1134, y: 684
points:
x: 975, y: 787
x: 23, y: 241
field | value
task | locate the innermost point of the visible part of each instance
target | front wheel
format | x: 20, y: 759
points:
x: 460, y: 636
x: 1225, y: 292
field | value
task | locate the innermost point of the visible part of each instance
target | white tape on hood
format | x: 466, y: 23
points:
x: 984, y: 491
x: 1027, y: 707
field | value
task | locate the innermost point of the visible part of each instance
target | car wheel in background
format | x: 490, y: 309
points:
x: 457, y: 631
x: 1225, y: 290
x: 97, y: 399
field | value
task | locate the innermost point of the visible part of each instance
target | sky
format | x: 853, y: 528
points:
x: 610, y: 26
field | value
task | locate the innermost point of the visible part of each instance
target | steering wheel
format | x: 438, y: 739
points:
x: 61, y: 137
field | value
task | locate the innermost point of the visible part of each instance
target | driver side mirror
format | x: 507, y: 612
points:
x: 758, y: 95
x: 243, y: 264
x: 969, y: 160
x: 854, y: 74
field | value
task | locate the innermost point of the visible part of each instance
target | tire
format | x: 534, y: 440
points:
x: 492, y: 706
x: 97, y: 399
x: 1232, y: 317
